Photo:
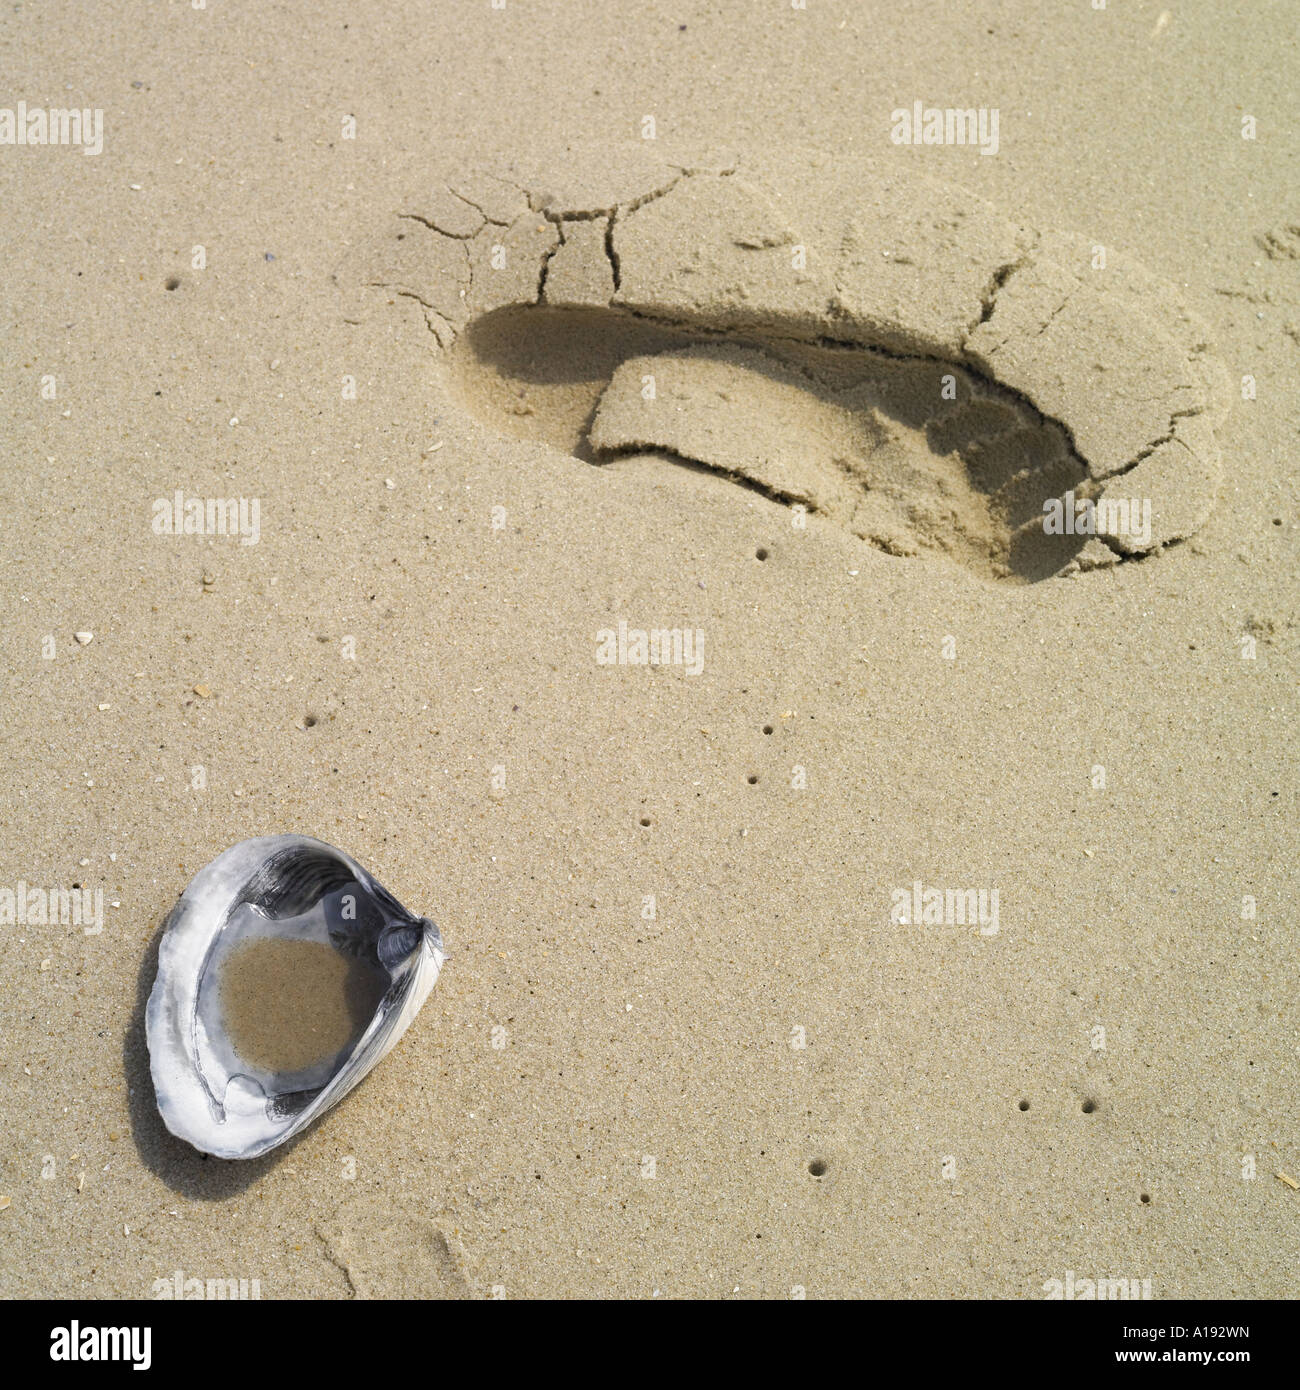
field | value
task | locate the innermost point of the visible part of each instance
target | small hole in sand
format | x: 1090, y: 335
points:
x: 1089, y: 1106
x: 171, y: 284
x: 767, y: 728
x: 760, y: 554
x: 817, y: 1167
x: 1145, y: 1198
x: 309, y: 721
x: 645, y: 820
x: 752, y: 778
x: 1024, y: 1105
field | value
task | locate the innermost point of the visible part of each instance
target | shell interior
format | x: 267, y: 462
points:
x: 285, y: 974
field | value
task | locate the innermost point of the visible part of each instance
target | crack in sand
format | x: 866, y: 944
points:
x: 441, y: 231
x: 773, y: 494
x: 541, y: 203
x: 547, y: 257
x: 1166, y: 438
x: 611, y: 254
x: 998, y: 281
x: 430, y: 313
x: 482, y: 212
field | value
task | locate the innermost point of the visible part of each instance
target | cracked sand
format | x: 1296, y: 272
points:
x: 731, y: 285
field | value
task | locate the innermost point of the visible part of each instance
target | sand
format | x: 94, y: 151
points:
x: 691, y: 1039
x: 289, y: 1005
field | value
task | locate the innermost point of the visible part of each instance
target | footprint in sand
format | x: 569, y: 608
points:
x: 888, y: 352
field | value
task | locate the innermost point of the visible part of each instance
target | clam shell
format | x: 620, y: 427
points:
x: 285, y: 888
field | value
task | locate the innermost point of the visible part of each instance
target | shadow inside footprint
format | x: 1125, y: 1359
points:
x: 912, y: 454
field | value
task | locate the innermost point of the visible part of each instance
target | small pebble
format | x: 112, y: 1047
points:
x: 203, y: 692
x: 84, y: 637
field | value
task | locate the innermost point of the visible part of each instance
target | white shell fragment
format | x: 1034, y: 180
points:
x: 236, y: 1088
